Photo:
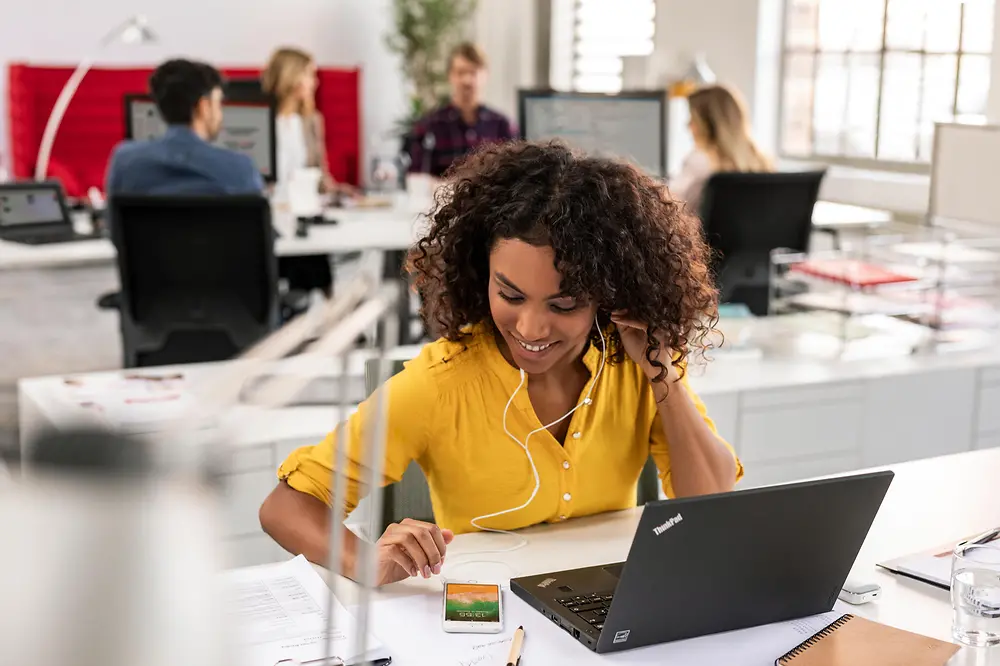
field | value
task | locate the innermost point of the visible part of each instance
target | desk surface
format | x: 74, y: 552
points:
x: 391, y: 228
x: 830, y: 215
x: 721, y: 375
x: 930, y: 502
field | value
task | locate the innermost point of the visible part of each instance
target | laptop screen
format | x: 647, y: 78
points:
x: 30, y: 206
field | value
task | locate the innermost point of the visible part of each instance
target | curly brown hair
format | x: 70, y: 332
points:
x: 620, y: 242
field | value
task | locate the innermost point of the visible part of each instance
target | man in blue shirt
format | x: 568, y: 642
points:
x: 183, y: 161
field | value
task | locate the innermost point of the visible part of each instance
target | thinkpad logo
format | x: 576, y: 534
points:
x: 547, y: 582
x: 660, y: 529
x: 622, y: 636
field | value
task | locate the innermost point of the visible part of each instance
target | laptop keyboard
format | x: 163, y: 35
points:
x: 45, y: 239
x: 591, y: 608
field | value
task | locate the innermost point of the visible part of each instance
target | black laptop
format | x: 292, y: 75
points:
x: 715, y: 563
x: 35, y: 213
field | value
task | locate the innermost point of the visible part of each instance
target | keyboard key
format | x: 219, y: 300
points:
x: 599, y: 626
x: 575, y: 609
x: 582, y: 608
x: 595, y: 621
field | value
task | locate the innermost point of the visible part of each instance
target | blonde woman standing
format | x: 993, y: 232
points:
x: 290, y: 77
x: 721, y: 132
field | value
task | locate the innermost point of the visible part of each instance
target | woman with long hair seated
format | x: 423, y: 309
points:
x: 569, y: 292
x: 290, y: 78
x: 720, y: 128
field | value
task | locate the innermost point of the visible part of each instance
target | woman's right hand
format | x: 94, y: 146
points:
x: 411, y: 548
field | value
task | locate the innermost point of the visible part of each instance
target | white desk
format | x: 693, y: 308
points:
x: 787, y: 419
x: 384, y: 229
x: 828, y: 215
x: 929, y: 503
x: 381, y: 229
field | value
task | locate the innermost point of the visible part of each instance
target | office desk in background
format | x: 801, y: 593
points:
x: 391, y: 229
x: 787, y: 419
x: 930, y: 502
x: 831, y: 215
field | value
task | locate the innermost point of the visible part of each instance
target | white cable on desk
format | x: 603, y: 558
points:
x: 522, y: 542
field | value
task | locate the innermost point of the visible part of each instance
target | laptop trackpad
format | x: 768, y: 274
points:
x: 615, y: 569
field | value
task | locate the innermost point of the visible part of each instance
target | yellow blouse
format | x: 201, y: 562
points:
x: 446, y: 412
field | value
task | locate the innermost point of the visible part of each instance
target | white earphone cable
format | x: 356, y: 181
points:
x: 522, y: 542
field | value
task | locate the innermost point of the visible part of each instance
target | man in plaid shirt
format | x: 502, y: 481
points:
x: 448, y: 133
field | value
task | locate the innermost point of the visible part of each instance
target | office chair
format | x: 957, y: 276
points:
x: 198, y: 276
x: 747, y: 215
x: 410, y: 497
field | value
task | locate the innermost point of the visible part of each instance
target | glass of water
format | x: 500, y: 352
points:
x: 975, y: 594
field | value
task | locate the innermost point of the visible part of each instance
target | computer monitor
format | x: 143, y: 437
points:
x: 243, y: 89
x: 247, y: 127
x: 628, y: 125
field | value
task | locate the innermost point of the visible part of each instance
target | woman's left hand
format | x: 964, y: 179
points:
x: 633, y: 336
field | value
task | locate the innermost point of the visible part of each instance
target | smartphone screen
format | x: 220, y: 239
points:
x: 471, y: 602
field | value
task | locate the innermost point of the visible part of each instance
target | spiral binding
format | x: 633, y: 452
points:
x: 788, y: 657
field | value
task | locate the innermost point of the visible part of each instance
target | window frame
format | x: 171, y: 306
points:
x: 574, y: 72
x: 871, y: 163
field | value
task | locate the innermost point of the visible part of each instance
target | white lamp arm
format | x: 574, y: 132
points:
x: 55, y: 118
x: 62, y: 102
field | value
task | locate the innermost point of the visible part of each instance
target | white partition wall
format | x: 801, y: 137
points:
x: 964, y: 174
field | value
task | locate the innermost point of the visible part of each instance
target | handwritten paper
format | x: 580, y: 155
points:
x: 280, y: 613
x: 411, y: 629
x: 492, y: 652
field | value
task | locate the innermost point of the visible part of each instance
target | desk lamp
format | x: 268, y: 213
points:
x: 132, y: 31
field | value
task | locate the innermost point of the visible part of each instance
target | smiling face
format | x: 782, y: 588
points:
x: 542, y: 327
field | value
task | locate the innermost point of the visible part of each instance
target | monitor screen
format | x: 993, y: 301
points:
x: 631, y: 126
x: 25, y: 206
x: 247, y: 128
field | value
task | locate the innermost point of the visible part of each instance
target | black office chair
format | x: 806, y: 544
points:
x: 198, y: 276
x: 747, y: 215
x: 410, y: 497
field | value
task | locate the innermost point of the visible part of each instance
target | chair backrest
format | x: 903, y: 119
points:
x: 747, y: 215
x: 410, y: 497
x: 198, y: 276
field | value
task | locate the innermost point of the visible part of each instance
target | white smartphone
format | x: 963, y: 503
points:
x: 472, y: 607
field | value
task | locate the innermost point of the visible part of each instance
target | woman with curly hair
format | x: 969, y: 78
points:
x: 568, y: 291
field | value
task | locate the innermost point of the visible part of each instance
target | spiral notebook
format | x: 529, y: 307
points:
x: 853, y: 640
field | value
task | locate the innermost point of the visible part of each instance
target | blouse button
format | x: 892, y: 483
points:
x: 565, y: 464
x: 577, y: 435
x: 567, y: 497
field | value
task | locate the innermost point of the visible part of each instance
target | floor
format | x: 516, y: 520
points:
x: 51, y: 325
